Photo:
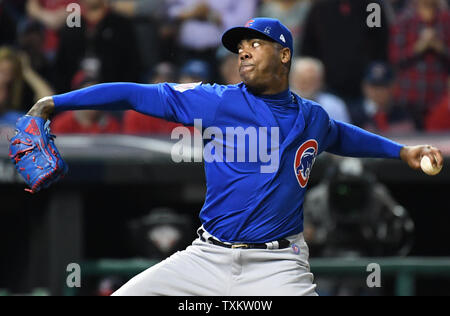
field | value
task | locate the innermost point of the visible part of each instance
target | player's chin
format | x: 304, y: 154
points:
x: 249, y: 80
x: 245, y: 78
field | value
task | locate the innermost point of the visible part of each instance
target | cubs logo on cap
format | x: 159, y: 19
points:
x: 272, y: 29
x: 304, y: 161
x: 249, y: 23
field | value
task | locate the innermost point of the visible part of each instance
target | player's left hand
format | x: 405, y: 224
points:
x: 413, y: 155
x: 35, y: 155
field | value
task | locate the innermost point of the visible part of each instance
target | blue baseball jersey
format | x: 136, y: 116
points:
x: 243, y: 204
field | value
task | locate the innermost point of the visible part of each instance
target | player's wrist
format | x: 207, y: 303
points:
x: 403, y: 153
x: 44, y: 108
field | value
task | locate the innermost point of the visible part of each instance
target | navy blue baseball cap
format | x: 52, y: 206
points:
x: 379, y: 74
x: 269, y: 28
x: 196, y: 68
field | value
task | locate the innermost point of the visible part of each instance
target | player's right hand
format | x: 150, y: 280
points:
x: 413, y: 155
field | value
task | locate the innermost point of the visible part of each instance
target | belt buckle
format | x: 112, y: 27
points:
x: 238, y: 246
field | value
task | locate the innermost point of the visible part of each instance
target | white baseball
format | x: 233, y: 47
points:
x: 428, y: 167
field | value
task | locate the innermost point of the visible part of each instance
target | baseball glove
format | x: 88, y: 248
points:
x: 35, y: 155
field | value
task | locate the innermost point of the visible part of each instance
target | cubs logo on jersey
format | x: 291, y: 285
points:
x: 304, y: 161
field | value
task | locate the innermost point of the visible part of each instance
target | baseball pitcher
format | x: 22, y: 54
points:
x: 250, y: 242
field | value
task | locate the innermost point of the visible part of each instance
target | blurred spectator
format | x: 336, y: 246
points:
x: 383, y: 115
x: 394, y: 8
x: 12, y: 85
x: 85, y: 122
x: 104, y: 44
x: 228, y: 67
x: 398, y: 5
x: 149, y: 22
x: 133, y: 8
x: 307, y: 79
x: 31, y: 40
x: 202, y: 23
x: 10, y: 89
x: 22, y: 86
x: 153, y: 28
x: 40, y: 87
x: 419, y: 50
x: 439, y: 117
x: 135, y: 123
x: 195, y: 71
x: 291, y: 13
x: 164, y: 72
x: 8, y: 117
x: 336, y: 32
x: 52, y: 14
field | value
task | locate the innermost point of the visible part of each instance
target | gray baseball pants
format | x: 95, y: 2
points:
x: 204, y: 269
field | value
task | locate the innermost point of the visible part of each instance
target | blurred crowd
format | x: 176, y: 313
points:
x: 393, y: 78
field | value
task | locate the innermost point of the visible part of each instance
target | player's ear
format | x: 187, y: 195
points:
x: 285, y: 55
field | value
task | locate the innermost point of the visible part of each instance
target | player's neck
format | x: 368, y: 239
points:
x: 272, y: 89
